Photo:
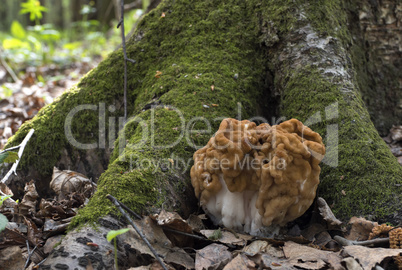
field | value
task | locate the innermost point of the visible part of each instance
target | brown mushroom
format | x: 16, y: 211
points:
x: 250, y: 176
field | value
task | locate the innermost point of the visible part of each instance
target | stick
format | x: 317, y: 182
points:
x: 20, y: 151
x: 123, y: 41
x: 118, y: 205
x: 375, y: 242
x: 30, y: 253
x: 130, y: 211
x: 9, y: 69
x: 9, y: 149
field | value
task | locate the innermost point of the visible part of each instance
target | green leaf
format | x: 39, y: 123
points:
x: 17, y: 30
x: 34, y: 9
x: 112, y: 234
x: 50, y: 34
x: 3, y: 222
x: 3, y: 198
x: 8, y: 157
x: 72, y: 45
x: 13, y: 43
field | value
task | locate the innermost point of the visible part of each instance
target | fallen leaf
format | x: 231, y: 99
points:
x: 27, y: 207
x: 173, y: 220
x: 369, y: 257
x: 228, y: 237
x: 154, y: 235
x: 311, y: 258
x: 212, y: 87
x: 158, y: 74
x: 66, y: 182
x: 163, y: 15
x: 212, y: 257
x: 196, y: 223
x: 360, y: 228
x: 240, y: 262
x: 326, y: 213
x: 178, y: 256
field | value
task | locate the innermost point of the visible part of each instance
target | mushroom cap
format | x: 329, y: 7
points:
x: 276, y: 166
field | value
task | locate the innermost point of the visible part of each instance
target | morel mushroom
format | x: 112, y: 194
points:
x: 250, y: 176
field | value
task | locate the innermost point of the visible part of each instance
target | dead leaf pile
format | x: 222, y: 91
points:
x: 36, y: 224
x: 311, y: 246
x: 190, y: 244
x: 21, y: 100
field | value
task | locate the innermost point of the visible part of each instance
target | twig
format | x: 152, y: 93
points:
x: 30, y: 253
x: 130, y: 211
x: 118, y: 205
x: 9, y: 69
x: 9, y: 149
x: 123, y: 41
x: 375, y: 242
x: 42, y: 261
x: 184, y: 233
x: 20, y: 151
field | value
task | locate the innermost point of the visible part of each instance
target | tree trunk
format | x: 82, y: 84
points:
x: 201, y: 62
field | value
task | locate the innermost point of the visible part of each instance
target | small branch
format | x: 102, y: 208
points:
x: 9, y: 69
x: 30, y: 253
x: 20, y: 151
x: 10, y: 149
x: 184, y: 233
x: 130, y: 211
x: 374, y: 242
x: 118, y: 205
x: 42, y: 261
x: 123, y: 42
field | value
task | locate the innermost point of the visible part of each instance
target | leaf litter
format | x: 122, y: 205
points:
x: 188, y: 244
x: 36, y: 224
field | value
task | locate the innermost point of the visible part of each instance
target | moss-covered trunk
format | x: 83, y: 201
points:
x: 203, y: 61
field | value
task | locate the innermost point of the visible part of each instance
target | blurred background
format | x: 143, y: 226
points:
x: 46, y: 46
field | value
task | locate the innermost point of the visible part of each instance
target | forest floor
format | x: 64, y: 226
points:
x: 37, y: 224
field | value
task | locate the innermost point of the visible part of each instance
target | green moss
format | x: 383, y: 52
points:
x: 358, y: 163
x: 199, y: 44
x: 196, y: 46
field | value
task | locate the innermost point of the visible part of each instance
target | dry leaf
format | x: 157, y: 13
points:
x: 229, y: 237
x: 153, y: 233
x: 212, y: 257
x: 326, y: 213
x: 369, y: 257
x: 66, y: 182
x: 256, y: 247
x: 311, y: 258
x: 173, y: 220
x: 360, y: 229
x: 163, y: 15
x: 212, y: 87
x: 178, y: 256
x: 240, y: 262
x: 158, y: 74
x: 27, y: 207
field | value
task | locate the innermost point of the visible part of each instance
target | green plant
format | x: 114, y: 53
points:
x: 8, y: 157
x: 112, y: 235
x: 3, y: 219
x: 34, y: 8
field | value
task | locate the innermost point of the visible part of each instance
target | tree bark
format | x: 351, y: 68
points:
x: 201, y: 62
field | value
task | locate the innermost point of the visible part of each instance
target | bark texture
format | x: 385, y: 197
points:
x: 272, y: 59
